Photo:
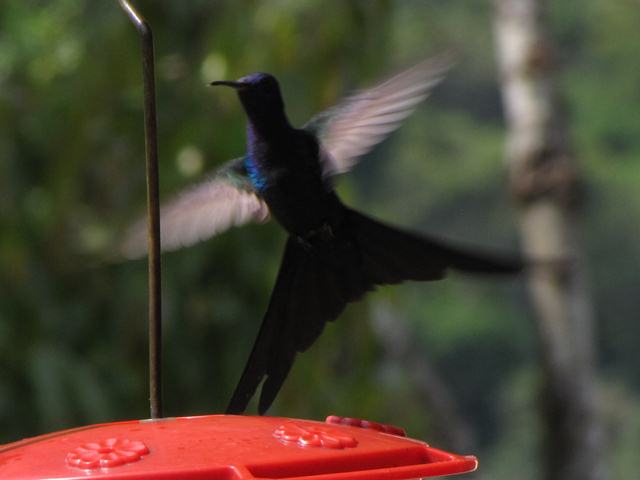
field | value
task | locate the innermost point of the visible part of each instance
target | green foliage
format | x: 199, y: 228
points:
x: 73, y: 327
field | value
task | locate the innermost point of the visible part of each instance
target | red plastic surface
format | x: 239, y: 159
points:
x: 228, y: 447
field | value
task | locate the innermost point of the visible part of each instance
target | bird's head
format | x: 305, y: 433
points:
x: 259, y: 93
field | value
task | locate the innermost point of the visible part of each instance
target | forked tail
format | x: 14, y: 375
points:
x: 316, y: 281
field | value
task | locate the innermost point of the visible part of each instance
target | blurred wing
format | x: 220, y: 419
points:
x: 353, y: 127
x: 213, y: 206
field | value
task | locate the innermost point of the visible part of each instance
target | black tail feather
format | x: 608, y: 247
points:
x: 316, y: 282
x: 256, y: 367
x: 391, y: 255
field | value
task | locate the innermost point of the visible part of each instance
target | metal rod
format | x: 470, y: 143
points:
x: 153, y: 210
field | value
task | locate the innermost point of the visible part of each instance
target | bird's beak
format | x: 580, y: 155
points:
x: 228, y: 83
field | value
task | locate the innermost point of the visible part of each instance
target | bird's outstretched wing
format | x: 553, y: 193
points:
x: 351, y: 128
x: 213, y: 206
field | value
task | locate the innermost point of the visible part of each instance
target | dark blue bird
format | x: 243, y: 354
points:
x: 333, y: 255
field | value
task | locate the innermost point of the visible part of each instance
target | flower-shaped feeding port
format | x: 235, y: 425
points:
x: 357, y: 422
x: 108, y: 453
x: 313, y: 436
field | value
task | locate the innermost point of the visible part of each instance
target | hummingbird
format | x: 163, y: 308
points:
x: 333, y: 255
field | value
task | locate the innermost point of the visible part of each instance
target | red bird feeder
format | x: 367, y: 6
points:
x: 217, y: 447
x: 229, y: 447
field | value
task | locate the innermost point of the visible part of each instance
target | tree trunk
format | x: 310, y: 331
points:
x: 545, y: 186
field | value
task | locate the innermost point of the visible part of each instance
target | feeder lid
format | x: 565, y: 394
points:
x: 228, y: 447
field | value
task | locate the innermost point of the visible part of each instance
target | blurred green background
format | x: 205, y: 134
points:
x: 73, y: 329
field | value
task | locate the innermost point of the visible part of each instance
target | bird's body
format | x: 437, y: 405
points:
x: 286, y: 172
x: 333, y: 255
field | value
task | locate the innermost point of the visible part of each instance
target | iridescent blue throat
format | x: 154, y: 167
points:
x: 258, y: 179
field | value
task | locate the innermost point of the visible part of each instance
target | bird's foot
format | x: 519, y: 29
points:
x: 312, y: 238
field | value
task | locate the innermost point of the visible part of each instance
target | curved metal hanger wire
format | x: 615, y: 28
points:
x: 153, y: 209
